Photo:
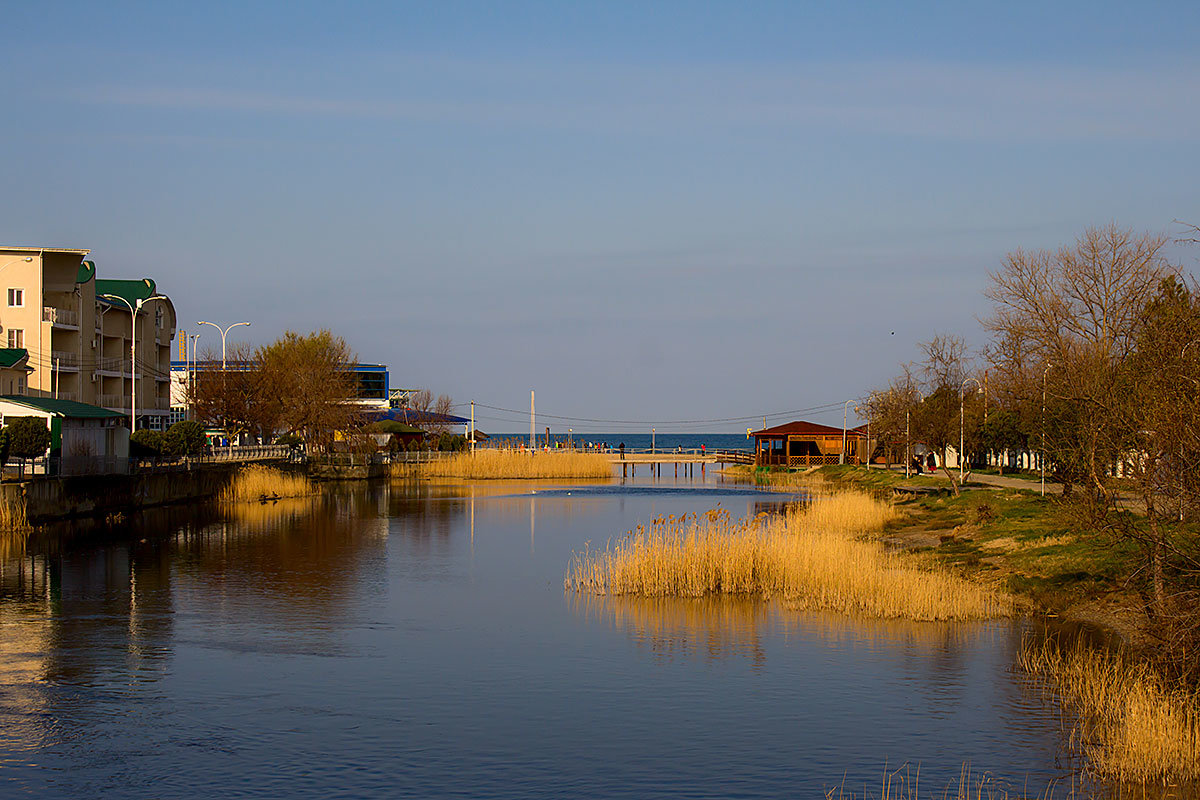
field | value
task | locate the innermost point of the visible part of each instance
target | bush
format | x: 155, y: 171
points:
x: 146, y: 443
x: 184, y: 438
x: 290, y: 439
x: 28, y: 437
x: 5, y: 443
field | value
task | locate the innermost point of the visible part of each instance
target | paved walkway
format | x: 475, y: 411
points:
x: 1015, y: 483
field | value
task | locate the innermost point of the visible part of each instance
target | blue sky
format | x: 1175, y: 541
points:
x: 646, y: 211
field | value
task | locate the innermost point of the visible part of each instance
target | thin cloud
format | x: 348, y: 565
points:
x: 942, y: 101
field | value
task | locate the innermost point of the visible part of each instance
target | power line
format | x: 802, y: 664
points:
x: 522, y: 415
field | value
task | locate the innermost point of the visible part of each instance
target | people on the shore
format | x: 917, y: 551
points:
x: 622, y: 446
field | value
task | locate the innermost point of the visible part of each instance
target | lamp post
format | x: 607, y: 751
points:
x: 134, y: 308
x: 15, y: 260
x: 845, y: 409
x: 1181, y: 354
x: 1045, y: 372
x: 191, y: 374
x: 962, y: 428
x: 223, y: 331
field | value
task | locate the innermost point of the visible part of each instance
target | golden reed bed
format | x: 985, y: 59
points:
x: 1130, y: 724
x: 514, y: 464
x: 256, y: 482
x: 810, y: 558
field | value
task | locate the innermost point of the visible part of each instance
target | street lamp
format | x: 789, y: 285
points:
x: 1045, y: 372
x: 845, y: 408
x: 134, y: 308
x: 1181, y: 354
x: 962, y: 415
x: 16, y: 260
x: 223, y: 331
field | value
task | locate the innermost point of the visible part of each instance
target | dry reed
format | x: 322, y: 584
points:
x: 1130, y: 724
x: 513, y: 464
x: 12, y: 510
x: 256, y: 483
x: 810, y: 558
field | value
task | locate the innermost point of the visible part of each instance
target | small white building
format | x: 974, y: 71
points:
x: 86, y: 439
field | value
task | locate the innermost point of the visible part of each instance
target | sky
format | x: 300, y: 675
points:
x: 681, y: 214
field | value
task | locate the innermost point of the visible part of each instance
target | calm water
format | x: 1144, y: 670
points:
x: 418, y: 643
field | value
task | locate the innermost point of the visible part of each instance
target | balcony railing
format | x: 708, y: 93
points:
x: 64, y: 359
x: 62, y: 317
x: 114, y: 400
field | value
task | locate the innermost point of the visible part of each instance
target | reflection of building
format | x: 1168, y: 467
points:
x: 76, y: 328
x: 371, y: 381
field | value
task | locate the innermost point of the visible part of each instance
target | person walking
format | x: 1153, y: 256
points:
x: 622, y: 451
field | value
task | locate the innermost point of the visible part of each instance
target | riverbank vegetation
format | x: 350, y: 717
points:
x: 258, y: 483
x: 1090, y: 367
x: 813, y: 558
x: 513, y: 464
x: 1131, y: 724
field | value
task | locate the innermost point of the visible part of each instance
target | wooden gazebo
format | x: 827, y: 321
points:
x: 806, y: 444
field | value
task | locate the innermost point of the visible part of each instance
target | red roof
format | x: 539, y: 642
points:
x: 801, y: 428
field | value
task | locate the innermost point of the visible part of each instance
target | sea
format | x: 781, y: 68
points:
x: 642, y: 441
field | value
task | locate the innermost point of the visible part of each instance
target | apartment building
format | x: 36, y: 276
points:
x: 76, y: 330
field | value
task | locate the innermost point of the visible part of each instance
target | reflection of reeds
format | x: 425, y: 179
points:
x: 1131, y: 726
x: 12, y: 510
x: 811, y: 558
x: 685, y: 627
x: 257, y: 482
x: 271, y: 515
x: 509, y: 464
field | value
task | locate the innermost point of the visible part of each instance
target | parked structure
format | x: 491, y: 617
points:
x: 85, y: 439
x: 77, y: 340
x: 806, y: 444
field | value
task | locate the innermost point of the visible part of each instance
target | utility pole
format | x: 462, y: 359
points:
x: 532, y: 430
x: 472, y: 426
x: 907, y: 445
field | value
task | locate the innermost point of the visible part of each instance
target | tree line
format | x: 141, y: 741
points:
x: 302, y: 388
x: 1093, y: 359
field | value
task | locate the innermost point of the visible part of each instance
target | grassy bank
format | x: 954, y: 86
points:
x: 812, y: 558
x: 1013, y: 539
x: 512, y: 464
x: 257, y: 483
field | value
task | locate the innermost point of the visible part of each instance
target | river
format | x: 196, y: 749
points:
x: 416, y: 641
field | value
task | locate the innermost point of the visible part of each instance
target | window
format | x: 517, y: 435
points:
x: 16, y: 298
x: 16, y: 337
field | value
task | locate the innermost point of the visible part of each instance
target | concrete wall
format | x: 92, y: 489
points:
x: 47, y: 499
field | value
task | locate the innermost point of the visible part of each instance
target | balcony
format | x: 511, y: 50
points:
x: 60, y: 317
x: 113, y: 367
x: 62, y: 360
x: 67, y: 396
x: 116, y: 401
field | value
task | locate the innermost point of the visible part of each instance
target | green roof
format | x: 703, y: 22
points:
x: 130, y: 291
x: 11, y: 356
x: 392, y: 426
x: 87, y: 271
x: 61, y: 408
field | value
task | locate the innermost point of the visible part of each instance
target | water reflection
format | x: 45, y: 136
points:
x: 419, y: 632
x: 708, y: 629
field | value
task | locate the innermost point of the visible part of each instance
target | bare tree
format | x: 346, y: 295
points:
x: 1068, y: 318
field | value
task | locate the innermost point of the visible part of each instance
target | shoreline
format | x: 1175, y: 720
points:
x: 1007, y: 537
